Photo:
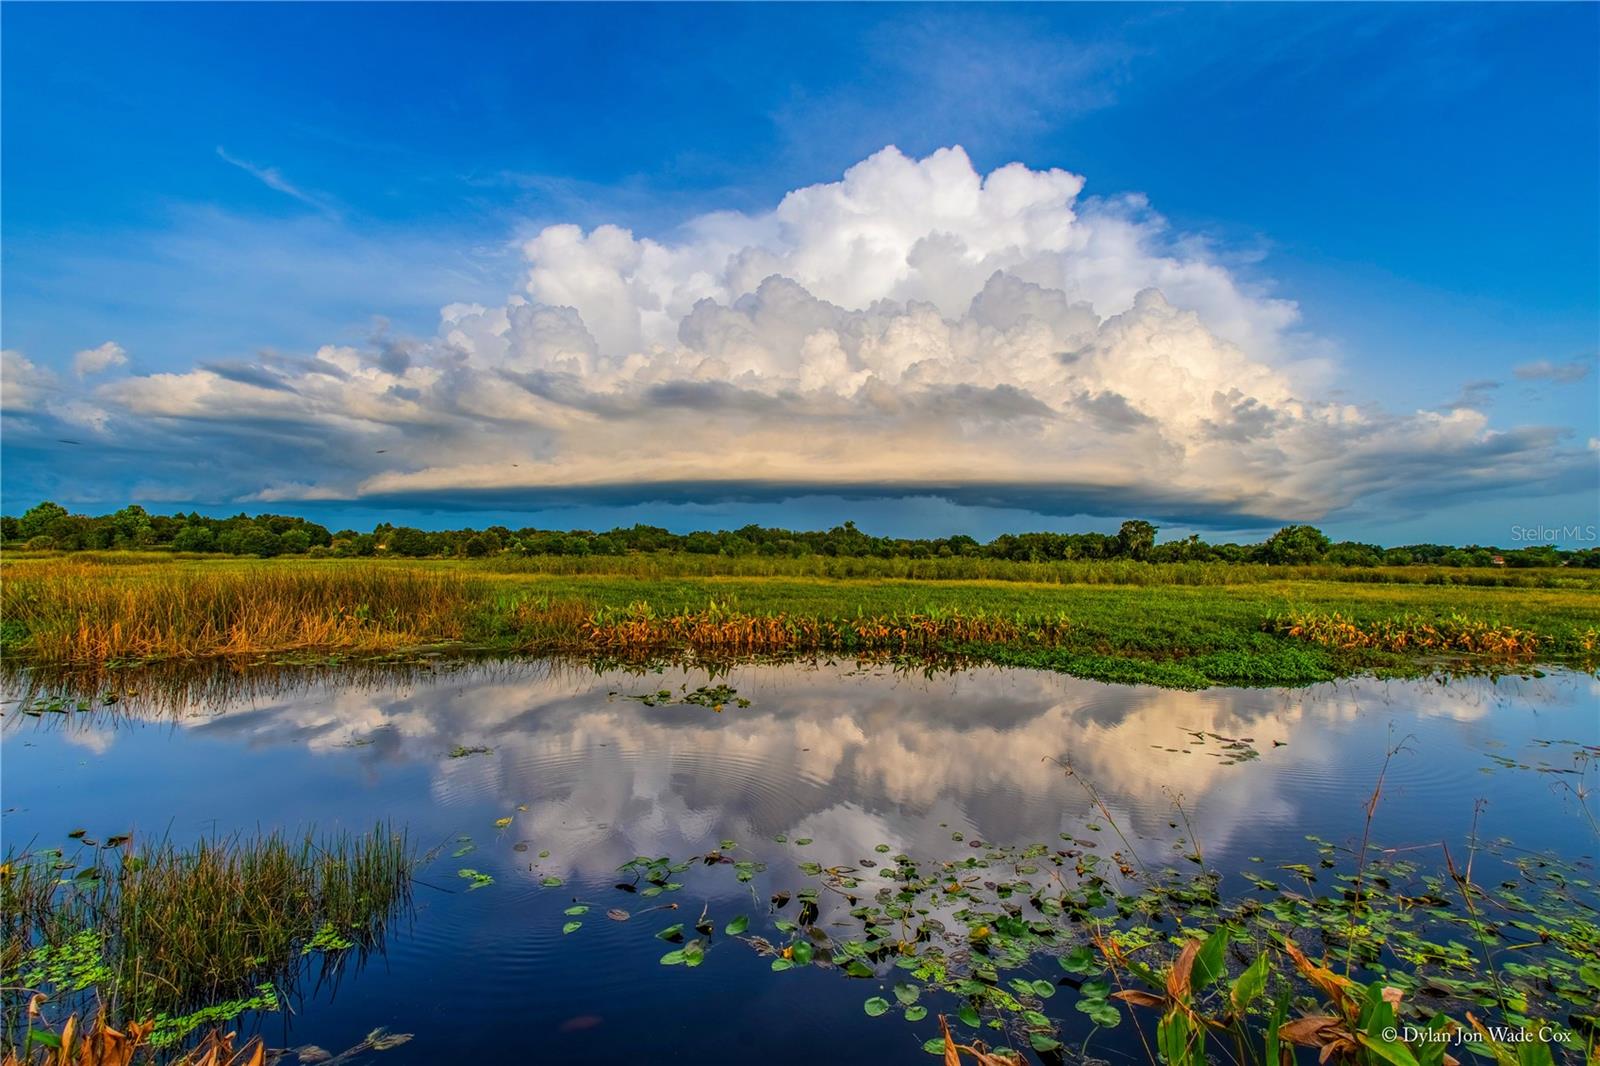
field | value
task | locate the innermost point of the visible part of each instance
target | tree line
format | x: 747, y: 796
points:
x: 50, y: 526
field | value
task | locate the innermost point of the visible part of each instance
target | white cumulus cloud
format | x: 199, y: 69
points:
x: 915, y: 326
x: 98, y: 360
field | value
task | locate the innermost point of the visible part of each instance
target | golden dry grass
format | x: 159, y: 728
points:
x: 75, y: 613
x: 1452, y: 633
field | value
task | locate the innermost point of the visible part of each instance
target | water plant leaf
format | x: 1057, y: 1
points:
x: 1249, y: 984
x: 501, y: 823
x: 571, y: 927
x: 474, y: 878
x: 1209, y: 963
x: 916, y: 1012
x: 576, y: 909
x: 876, y: 1006
x: 737, y: 926
x: 617, y: 914
x: 1079, y: 960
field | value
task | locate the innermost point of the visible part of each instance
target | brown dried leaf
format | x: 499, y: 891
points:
x: 1139, y: 998
x: 1336, y: 988
x: 952, y: 1057
x: 1178, y: 976
x: 1310, y: 1031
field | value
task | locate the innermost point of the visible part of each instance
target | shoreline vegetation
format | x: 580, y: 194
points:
x: 1189, y: 625
x: 174, y: 942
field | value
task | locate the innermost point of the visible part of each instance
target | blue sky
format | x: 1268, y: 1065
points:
x: 204, y: 184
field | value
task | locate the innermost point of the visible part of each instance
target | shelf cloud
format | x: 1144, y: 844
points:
x: 914, y: 327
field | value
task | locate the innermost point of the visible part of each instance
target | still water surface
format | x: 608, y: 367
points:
x: 848, y: 757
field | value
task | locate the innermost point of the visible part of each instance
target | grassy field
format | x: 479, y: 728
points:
x: 1186, y: 625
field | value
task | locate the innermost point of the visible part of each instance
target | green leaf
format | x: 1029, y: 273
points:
x: 576, y: 909
x: 907, y: 994
x: 1249, y: 984
x: 672, y: 958
x: 1209, y: 963
x: 571, y: 927
x: 876, y: 1006
x: 780, y: 965
x: 916, y: 1012
x: 1044, y: 1042
x: 803, y: 952
x: 934, y: 1046
x: 1534, y: 1052
x: 671, y: 932
x: 737, y: 926
x: 551, y: 882
x: 1079, y: 960
x: 1105, y: 1015
x: 1390, y: 1051
x: 969, y: 1015
x: 1043, y: 989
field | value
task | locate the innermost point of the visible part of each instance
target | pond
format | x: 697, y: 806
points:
x: 546, y: 778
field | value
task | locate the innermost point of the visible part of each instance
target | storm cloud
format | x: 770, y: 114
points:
x: 915, y: 327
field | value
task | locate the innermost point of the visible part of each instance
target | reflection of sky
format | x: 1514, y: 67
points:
x: 849, y: 758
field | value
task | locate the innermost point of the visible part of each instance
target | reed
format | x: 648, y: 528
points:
x: 75, y: 613
x: 157, y: 930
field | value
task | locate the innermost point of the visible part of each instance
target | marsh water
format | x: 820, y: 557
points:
x: 797, y: 763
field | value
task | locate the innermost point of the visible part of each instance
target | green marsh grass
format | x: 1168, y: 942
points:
x: 1188, y: 625
x: 157, y: 930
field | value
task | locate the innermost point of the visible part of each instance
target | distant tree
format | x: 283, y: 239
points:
x: 259, y: 541
x: 475, y: 547
x: 194, y: 539
x: 1295, y: 544
x: 1354, y: 553
x: 407, y: 541
x: 131, y: 527
x: 1135, y: 539
x: 1540, y: 555
x: 39, y: 518
x: 961, y: 544
x: 294, y: 541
